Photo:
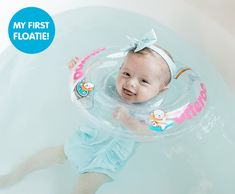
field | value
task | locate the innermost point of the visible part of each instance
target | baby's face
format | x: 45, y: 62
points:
x: 140, y: 78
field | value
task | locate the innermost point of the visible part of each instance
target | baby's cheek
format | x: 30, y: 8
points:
x: 144, y: 94
x: 155, y: 89
x: 119, y: 85
x: 152, y: 92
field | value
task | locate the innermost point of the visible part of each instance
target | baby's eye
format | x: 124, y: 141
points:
x: 145, y: 81
x: 126, y: 74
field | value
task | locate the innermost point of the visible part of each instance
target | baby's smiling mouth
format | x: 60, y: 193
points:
x: 128, y: 92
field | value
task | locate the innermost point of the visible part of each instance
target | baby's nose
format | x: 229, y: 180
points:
x: 131, y: 82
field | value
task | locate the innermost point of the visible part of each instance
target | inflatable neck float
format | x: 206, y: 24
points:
x: 173, y: 111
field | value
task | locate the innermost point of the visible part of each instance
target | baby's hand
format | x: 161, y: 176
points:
x: 73, y: 62
x: 121, y: 114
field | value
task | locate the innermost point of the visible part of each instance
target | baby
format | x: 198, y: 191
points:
x: 143, y: 75
x: 146, y: 71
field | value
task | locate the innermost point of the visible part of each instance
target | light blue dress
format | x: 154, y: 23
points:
x: 93, y: 150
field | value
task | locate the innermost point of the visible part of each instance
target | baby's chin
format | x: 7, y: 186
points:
x: 135, y: 100
x: 126, y: 99
x: 130, y: 99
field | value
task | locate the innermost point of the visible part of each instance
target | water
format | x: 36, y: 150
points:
x: 36, y: 112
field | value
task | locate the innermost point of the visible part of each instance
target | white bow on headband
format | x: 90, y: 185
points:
x: 136, y: 45
x: 147, y: 41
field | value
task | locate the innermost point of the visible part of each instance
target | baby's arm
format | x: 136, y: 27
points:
x: 71, y: 65
x: 122, y: 115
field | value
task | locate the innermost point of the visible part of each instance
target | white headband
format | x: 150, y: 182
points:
x: 148, y: 41
x: 169, y: 61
